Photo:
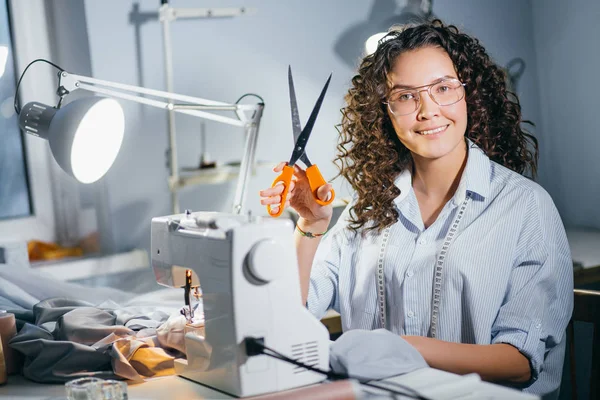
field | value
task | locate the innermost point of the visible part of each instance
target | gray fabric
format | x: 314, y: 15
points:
x: 27, y: 286
x: 52, y: 309
x: 88, y: 325
x: 49, y: 360
x: 370, y: 355
x: 140, y: 317
x: 136, y: 281
x: 11, y: 293
x: 68, y: 330
x: 62, y: 343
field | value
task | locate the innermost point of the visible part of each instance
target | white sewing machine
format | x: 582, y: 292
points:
x: 248, y: 273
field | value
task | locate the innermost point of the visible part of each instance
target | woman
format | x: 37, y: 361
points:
x: 445, y: 242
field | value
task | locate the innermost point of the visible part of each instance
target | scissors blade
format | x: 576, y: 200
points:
x: 305, y: 135
x: 296, y: 127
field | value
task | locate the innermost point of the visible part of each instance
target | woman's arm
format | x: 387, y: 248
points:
x: 493, y: 362
x: 314, y: 218
x: 305, y: 249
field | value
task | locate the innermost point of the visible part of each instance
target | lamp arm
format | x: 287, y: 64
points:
x: 161, y: 104
x: 172, y: 14
x: 193, y: 105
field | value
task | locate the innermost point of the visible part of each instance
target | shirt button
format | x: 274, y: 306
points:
x: 422, y: 241
x: 410, y: 273
x: 410, y: 314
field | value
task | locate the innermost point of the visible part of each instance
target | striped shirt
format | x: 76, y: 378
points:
x: 506, y: 277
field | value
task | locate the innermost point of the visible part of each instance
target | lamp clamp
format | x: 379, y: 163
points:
x: 67, y: 82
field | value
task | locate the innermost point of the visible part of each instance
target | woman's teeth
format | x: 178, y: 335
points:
x: 432, y: 131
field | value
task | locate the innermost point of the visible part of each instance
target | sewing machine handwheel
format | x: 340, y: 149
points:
x: 264, y: 259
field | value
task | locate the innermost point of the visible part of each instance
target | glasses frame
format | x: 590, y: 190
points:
x: 427, y: 88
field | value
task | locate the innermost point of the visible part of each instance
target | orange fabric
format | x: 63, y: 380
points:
x: 39, y: 251
x: 137, y: 358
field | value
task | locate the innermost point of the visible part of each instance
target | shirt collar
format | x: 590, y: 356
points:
x: 404, y: 183
x: 475, y: 178
x: 477, y: 174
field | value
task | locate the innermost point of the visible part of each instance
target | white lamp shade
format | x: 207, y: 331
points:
x: 372, y: 42
x: 85, y: 136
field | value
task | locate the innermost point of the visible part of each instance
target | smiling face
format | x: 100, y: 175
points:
x: 432, y: 131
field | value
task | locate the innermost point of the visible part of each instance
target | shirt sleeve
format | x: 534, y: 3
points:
x: 539, y: 301
x: 324, y: 276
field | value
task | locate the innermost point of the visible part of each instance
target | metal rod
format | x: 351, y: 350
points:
x: 195, y: 13
x: 162, y: 104
x: 203, y: 107
x: 70, y: 81
x: 173, y: 166
x: 247, y: 163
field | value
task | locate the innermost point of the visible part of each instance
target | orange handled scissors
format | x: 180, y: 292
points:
x: 315, y: 179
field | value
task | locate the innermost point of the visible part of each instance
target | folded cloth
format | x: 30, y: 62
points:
x: 72, y: 339
x: 171, y: 334
x: 48, y: 360
x: 372, y: 355
x: 50, y: 310
x: 138, y: 356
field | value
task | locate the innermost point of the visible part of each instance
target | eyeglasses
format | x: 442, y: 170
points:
x: 443, y: 93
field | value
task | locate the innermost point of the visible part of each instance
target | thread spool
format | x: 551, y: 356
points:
x: 8, y: 329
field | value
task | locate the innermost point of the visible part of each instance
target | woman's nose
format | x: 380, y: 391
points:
x: 427, y: 107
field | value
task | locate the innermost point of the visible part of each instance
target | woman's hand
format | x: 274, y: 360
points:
x: 300, y: 197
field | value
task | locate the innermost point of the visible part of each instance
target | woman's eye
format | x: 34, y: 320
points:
x: 405, y: 97
x: 443, y: 89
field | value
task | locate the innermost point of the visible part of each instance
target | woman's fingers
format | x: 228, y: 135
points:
x: 275, y: 190
x: 324, y: 192
x: 274, y: 210
x: 279, y: 167
x: 272, y: 196
x: 270, y: 200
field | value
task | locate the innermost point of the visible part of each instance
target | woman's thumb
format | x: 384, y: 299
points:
x: 324, y: 192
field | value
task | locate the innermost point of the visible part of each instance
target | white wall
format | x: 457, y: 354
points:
x: 568, y: 56
x: 222, y: 59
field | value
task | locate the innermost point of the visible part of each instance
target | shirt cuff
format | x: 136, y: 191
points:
x: 528, y: 342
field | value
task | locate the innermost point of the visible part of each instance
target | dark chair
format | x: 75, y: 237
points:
x: 586, y: 309
x: 333, y: 322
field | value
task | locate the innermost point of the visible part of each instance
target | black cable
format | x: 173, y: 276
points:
x: 256, y: 346
x: 17, y: 108
x: 250, y: 94
x: 362, y: 380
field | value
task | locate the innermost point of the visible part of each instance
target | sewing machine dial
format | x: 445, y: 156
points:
x: 263, y: 260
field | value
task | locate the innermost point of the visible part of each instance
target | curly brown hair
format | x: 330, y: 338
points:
x: 370, y: 155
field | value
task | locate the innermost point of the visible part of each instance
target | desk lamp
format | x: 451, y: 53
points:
x: 361, y: 39
x: 414, y: 12
x: 85, y: 135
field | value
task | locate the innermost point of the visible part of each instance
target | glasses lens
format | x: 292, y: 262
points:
x: 447, y: 92
x: 403, y: 102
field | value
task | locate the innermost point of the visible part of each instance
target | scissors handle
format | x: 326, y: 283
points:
x: 286, y: 178
x: 316, y: 180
